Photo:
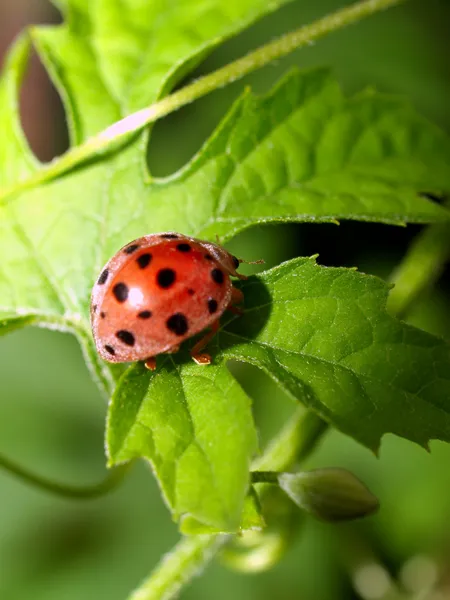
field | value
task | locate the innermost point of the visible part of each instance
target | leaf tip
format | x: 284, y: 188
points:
x: 113, y: 462
x: 375, y: 448
x: 436, y: 197
x: 110, y: 463
x: 426, y: 446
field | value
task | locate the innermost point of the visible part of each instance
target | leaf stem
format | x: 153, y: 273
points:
x: 111, y: 481
x: 294, y: 443
x: 265, y: 477
x: 262, y: 56
x: 187, y: 559
x: 420, y: 268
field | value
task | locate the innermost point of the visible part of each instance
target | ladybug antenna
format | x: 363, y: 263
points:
x: 261, y: 261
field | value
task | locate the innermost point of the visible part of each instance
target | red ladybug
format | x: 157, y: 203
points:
x: 158, y: 291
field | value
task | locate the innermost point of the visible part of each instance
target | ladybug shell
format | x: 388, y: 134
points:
x: 156, y: 292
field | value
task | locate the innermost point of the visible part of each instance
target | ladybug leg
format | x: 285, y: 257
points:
x: 203, y: 358
x: 150, y: 363
x: 237, y: 297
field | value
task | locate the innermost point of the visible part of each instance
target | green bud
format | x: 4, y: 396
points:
x: 329, y: 494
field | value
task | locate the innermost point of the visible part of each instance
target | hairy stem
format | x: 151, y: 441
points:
x: 111, y: 481
x: 185, y: 561
x: 421, y: 267
x: 121, y: 131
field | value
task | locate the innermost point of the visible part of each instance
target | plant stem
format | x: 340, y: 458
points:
x: 120, y: 131
x: 265, y: 477
x: 187, y: 559
x: 421, y: 267
x: 111, y: 481
x: 294, y: 442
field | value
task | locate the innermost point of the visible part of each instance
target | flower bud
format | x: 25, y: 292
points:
x: 330, y: 494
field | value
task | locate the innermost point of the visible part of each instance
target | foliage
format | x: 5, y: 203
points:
x: 301, y: 153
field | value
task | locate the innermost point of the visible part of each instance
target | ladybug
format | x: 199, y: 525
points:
x: 158, y: 291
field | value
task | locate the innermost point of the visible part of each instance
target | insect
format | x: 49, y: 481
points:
x: 158, y: 291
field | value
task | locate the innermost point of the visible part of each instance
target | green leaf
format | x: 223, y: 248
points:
x: 308, y: 154
x: 195, y: 427
x: 324, y: 335
x: 112, y: 58
x: 301, y: 153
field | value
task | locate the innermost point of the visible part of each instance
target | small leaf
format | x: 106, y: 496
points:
x: 330, y: 494
x: 325, y: 336
x: 195, y: 427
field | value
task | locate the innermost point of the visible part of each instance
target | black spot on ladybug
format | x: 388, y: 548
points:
x: 177, y: 323
x: 236, y: 262
x: 131, y: 249
x: 102, y: 315
x: 120, y: 291
x: 165, y: 278
x: 94, y: 308
x: 125, y: 336
x: 191, y: 292
x: 212, y: 305
x: 217, y: 275
x: 209, y: 257
x: 110, y: 349
x: 184, y: 248
x: 169, y: 236
x: 145, y: 314
x: 103, y: 277
x: 144, y: 260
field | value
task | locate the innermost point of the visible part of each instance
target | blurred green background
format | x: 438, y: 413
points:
x: 51, y: 415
